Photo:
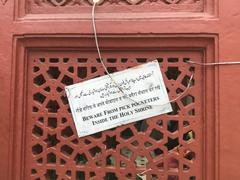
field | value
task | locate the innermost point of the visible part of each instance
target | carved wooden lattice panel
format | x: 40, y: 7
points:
x: 168, y: 146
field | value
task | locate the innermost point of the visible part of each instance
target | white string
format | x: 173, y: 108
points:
x: 98, y: 50
x: 110, y: 76
x: 142, y: 173
x: 214, y: 64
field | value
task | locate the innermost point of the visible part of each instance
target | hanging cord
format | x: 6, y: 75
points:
x: 214, y: 64
x: 98, y: 50
x: 110, y: 76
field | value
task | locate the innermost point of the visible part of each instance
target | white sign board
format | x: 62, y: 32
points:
x: 98, y: 104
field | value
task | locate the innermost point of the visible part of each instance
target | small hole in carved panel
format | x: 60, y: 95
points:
x: 188, y: 136
x: 66, y: 80
x: 67, y: 132
x: 141, y: 60
x: 156, y: 135
x: 86, y: 141
x: 191, y: 112
x: 33, y: 171
x: 99, y: 163
x: 122, y: 164
x: 75, y: 141
x: 52, y: 122
x: 82, y: 60
x: 110, y: 160
x: 71, y: 69
x: 62, y: 161
x: 147, y: 144
x: 42, y: 60
x: 39, y: 97
x: 64, y: 120
x: 80, y: 175
x: 35, y: 109
x: 37, y: 131
x: 185, y: 167
x: 93, y: 69
x: 82, y: 72
x: 52, y: 106
x: 179, y: 91
x: 51, y: 174
x: 47, y: 89
x: 51, y: 158
x: 135, y: 143
x: 187, y: 100
x: 53, y: 72
x: 173, y: 163
x: 53, y: 60
x: 160, y: 166
x: 173, y: 60
x: 154, y: 177
x: 64, y: 100
x: 36, y: 69
x: 40, y: 161
x: 111, y: 60
x: 111, y: 69
x: 141, y: 126
x: 160, y: 60
x: 156, y: 152
x: 127, y: 133
x: 111, y: 142
x: 59, y: 89
x: 126, y: 152
x: 172, y: 126
x: 186, y: 124
x: 41, y: 120
x: 69, y: 173
x: 65, y: 60
x: 175, y: 109
x: 97, y: 135
x: 173, y: 73
x: 39, y: 80
x: 186, y: 80
x: 92, y: 174
x: 80, y: 159
x: 37, y: 149
x: 172, y: 177
x: 66, y: 150
x: 159, y: 123
x: 141, y: 161
x: 172, y: 143
x: 189, y: 155
x: 110, y: 175
x: 95, y: 151
x: 51, y: 140
x: 124, y: 60
x: 128, y: 176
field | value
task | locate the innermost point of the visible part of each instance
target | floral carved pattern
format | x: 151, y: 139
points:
x: 130, y: 2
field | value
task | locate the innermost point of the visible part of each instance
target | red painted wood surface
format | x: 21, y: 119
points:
x: 37, y: 142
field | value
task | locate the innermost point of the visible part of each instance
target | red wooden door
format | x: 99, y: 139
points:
x: 47, y: 44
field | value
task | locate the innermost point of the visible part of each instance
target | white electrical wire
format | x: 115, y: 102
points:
x: 214, y: 64
x: 98, y: 50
